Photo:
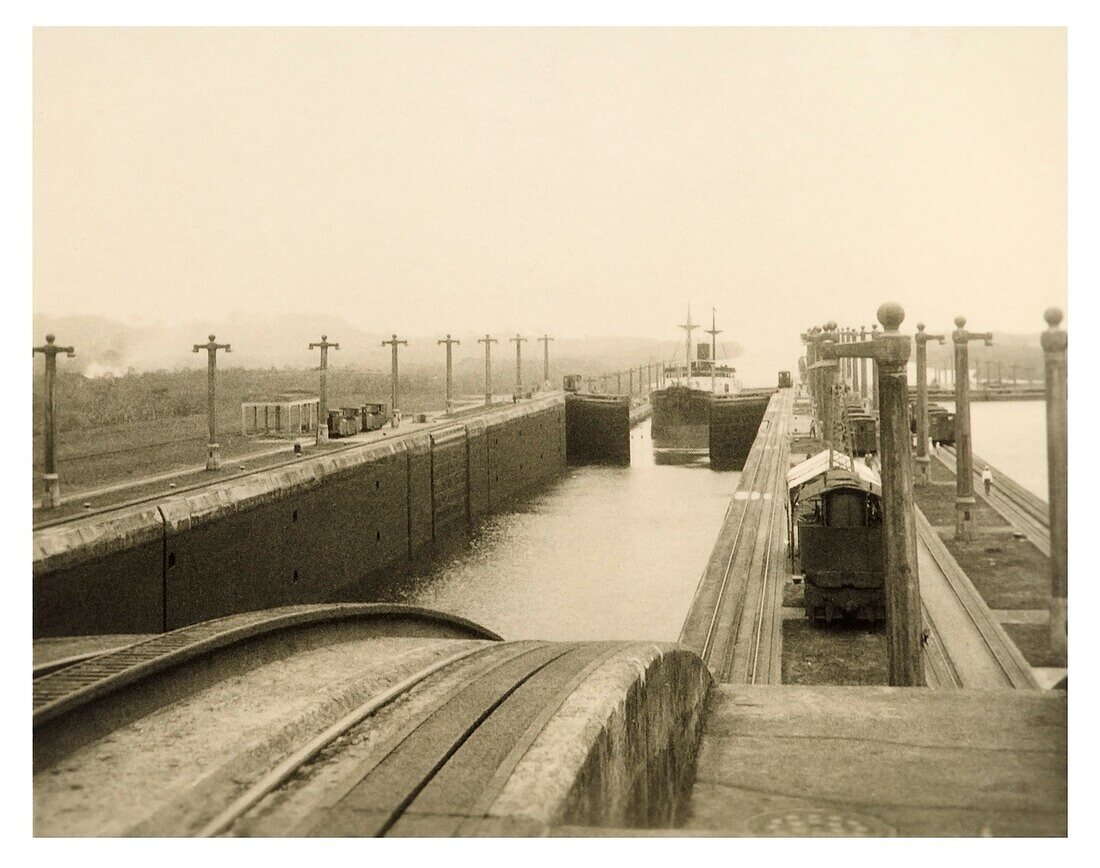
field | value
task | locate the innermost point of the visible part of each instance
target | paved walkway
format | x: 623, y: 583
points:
x: 858, y: 761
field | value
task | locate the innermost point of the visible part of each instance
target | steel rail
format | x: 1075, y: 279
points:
x: 82, y: 683
x: 285, y: 769
x: 768, y: 546
x: 1015, y: 669
x: 705, y: 652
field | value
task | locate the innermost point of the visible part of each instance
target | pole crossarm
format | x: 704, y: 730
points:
x: 962, y: 336
x: 324, y: 344
x: 211, y: 346
x: 50, y: 350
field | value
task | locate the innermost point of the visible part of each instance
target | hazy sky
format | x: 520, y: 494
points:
x: 583, y: 182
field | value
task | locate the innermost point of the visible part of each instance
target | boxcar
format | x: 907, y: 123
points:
x: 784, y: 379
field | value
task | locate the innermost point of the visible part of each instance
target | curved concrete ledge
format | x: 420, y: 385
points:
x: 71, y: 688
x: 620, y: 750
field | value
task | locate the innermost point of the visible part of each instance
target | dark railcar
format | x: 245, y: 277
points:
x: 941, y: 425
x: 841, y: 553
x: 864, y: 433
x: 784, y: 379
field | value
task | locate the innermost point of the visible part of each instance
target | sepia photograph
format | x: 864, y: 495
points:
x: 541, y: 431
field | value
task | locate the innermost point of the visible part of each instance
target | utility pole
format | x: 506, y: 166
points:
x: 618, y: 382
x: 546, y: 360
x: 1055, y: 342
x: 713, y: 331
x: 488, y: 341
x: 53, y: 481
x: 212, y: 447
x: 923, y: 461
x: 964, y: 456
x: 517, y: 340
x: 649, y: 377
x: 322, y: 413
x: 394, y: 412
x: 890, y: 353
x: 449, y: 341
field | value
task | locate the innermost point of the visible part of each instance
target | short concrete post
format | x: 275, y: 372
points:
x: 394, y: 343
x: 211, y: 347
x: 50, y: 476
x: 322, y: 412
x: 923, y: 460
x: 449, y: 341
x: 488, y: 341
x: 964, y: 455
x: 890, y: 353
x: 1055, y: 342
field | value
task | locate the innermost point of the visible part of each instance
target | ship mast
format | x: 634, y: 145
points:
x: 713, y: 332
x: 688, y: 327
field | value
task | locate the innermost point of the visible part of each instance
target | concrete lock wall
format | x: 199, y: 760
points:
x: 296, y: 534
x: 597, y: 429
x: 733, y: 427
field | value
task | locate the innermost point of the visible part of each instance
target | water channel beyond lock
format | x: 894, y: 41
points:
x: 600, y: 553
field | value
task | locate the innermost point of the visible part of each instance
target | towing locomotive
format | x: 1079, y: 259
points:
x: 836, y: 507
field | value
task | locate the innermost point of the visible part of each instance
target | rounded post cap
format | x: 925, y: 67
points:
x: 890, y: 314
x: 211, y: 338
x: 1053, y: 316
x: 51, y: 338
x: 960, y: 321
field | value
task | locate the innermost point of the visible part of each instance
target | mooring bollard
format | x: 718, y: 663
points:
x: 212, y: 460
x: 964, y: 455
x: 395, y: 415
x: 923, y: 460
x: 322, y: 412
x: 488, y: 341
x: 1055, y: 341
x: 889, y: 353
x: 50, y: 476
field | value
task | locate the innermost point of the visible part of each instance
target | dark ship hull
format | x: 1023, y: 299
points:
x: 681, y: 422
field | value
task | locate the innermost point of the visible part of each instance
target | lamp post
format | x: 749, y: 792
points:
x: 517, y: 340
x: 964, y: 456
x: 449, y: 341
x: 1055, y: 342
x: 322, y: 415
x: 212, y: 447
x: 923, y: 461
x: 890, y: 354
x: 394, y: 343
x: 488, y: 341
x: 53, y: 482
x: 546, y: 360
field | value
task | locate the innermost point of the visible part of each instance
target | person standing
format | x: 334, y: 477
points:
x: 987, y: 480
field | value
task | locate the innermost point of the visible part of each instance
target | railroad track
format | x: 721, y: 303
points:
x: 734, y: 621
x: 1022, y: 509
x: 966, y: 646
x: 161, y: 493
x: 457, y: 751
x: 86, y: 679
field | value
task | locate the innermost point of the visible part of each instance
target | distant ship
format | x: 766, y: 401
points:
x: 682, y: 409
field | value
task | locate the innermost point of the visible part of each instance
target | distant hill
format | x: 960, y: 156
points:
x: 105, y: 346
